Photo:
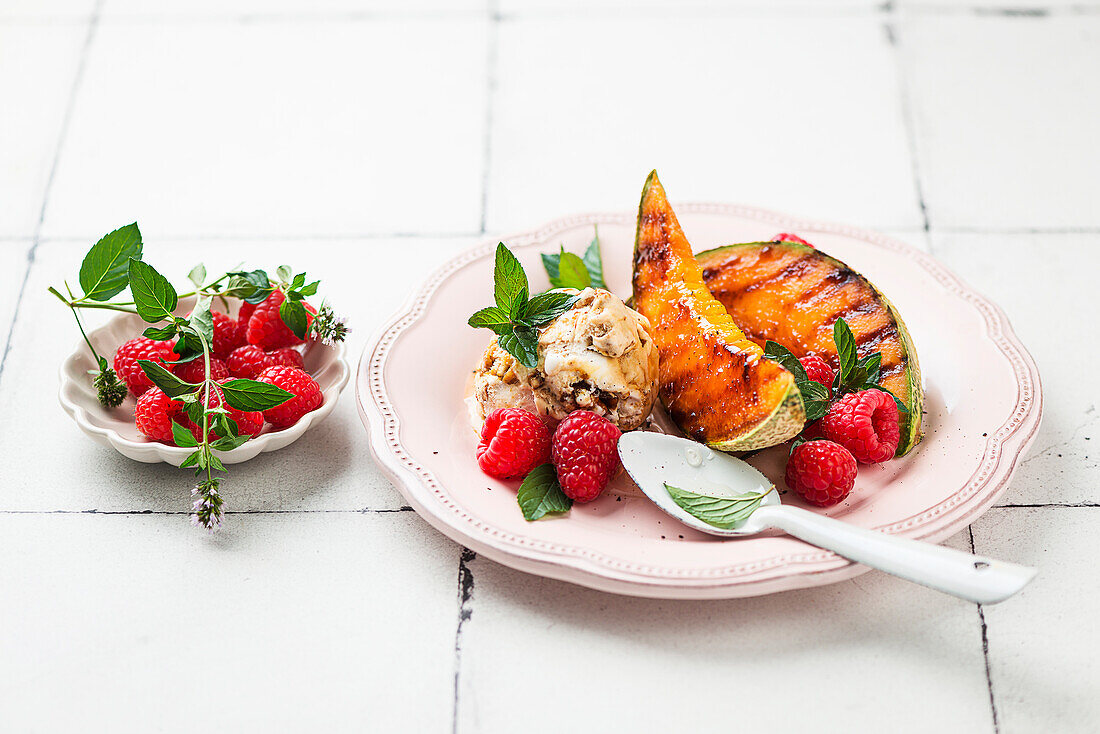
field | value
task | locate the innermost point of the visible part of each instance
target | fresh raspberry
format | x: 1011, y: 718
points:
x: 822, y: 472
x: 195, y: 370
x: 248, y: 361
x: 249, y: 423
x: 788, y: 237
x: 266, y: 328
x: 865, y: 423
x: 307, y: 394
x: 513, y: 442
x: 586, y: 454
x: 127, y: 356
x: 153, y: 414
x: 244, y: 313
x: 228, y: 335
x: 817, y: 369
x: 287, y: 357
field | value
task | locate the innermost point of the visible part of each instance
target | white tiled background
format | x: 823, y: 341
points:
x: 369, y: 141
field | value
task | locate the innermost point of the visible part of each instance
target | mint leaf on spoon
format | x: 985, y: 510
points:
x: 720, y: 511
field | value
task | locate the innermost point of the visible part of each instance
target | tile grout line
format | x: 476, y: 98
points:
x: 364, y: 511
x: 492, y: 51
x: 985, y: 648
x: 465, y: 611
x: 907, y: 115
x: 93, y: 24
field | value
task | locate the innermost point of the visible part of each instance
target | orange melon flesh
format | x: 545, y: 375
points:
x: 793, y: 294
x: 715, y: 383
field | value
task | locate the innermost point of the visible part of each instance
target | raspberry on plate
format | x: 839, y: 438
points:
x: 153, y: 415
x: 228, y: 335
x: 266, y: 328
x: 865, y: 423
x: 126, y: 361
x: 195, y: 370
x: 287, y: 357
x: 822, y: 472
x: 817, y: 369
x: 307, y: 394
x: 248, y: 361
x: 585, y: 453
x: 249, y: 423
x: 513, y: 442
x: 788, y: 237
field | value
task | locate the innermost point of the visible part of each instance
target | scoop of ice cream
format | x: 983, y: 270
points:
x: 498, y: 383
x: 597, y: 356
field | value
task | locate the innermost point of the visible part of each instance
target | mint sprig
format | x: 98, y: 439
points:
x: 723, y: 512
x: 567, y: 270
x: 855, y: 374
x: 540, y: 493
x: 516, y: 317
x: 114, y: 264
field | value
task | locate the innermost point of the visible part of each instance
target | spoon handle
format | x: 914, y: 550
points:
x: 971, y: 577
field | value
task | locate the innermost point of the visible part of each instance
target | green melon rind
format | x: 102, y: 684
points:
x: 911, y: 432
x: 784, y: 423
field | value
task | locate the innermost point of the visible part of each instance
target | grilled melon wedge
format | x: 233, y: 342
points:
x: 715, y: 383
x: 793, y: 294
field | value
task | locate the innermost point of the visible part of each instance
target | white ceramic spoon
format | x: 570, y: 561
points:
x: 652, y: 459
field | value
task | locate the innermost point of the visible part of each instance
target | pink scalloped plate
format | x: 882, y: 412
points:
x: 983, y: 407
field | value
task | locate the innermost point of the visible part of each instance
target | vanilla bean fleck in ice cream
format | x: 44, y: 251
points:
x: 597, y: 356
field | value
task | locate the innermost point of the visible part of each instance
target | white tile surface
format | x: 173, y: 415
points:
x: 13, y: 266
x: 47, y: 11
x: 1045, y: 285
x: 37, y: 66
x: 138, y: 623
x: 297, y: 9
x: 328, y: 468
x: 801, y: 115
x: 1006, y: 132
x: 1042, y: 644
x: 680, y: 6
x: 849, y: 657
x: 277, y: 128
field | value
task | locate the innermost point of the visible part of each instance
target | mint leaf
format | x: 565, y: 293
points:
x: 540, y: 494
x: 594, y: 262
x: 815, y: 398
x: 197, y: 275
x: 194, y: 459
x: 253, y: 286
x: 522, y: 343
x: 309, y: 290
x: 182, y: 436
x: 550, y: 264
x: 202, y: 321
x: 779, y: 353
x: 172, y: 386
x: 509, y: 280
x: 229, y: 442
x: 154, y: 296
x: 105, y: 271
x: 545, y: 307
x: 250, y: 395
x: 160, y: 333
x: 721, y: 512
x: 284, y: 273
x: 572, y: 272
x: 845, y: 349
x: 293, y: 314
x: 490, y: 318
